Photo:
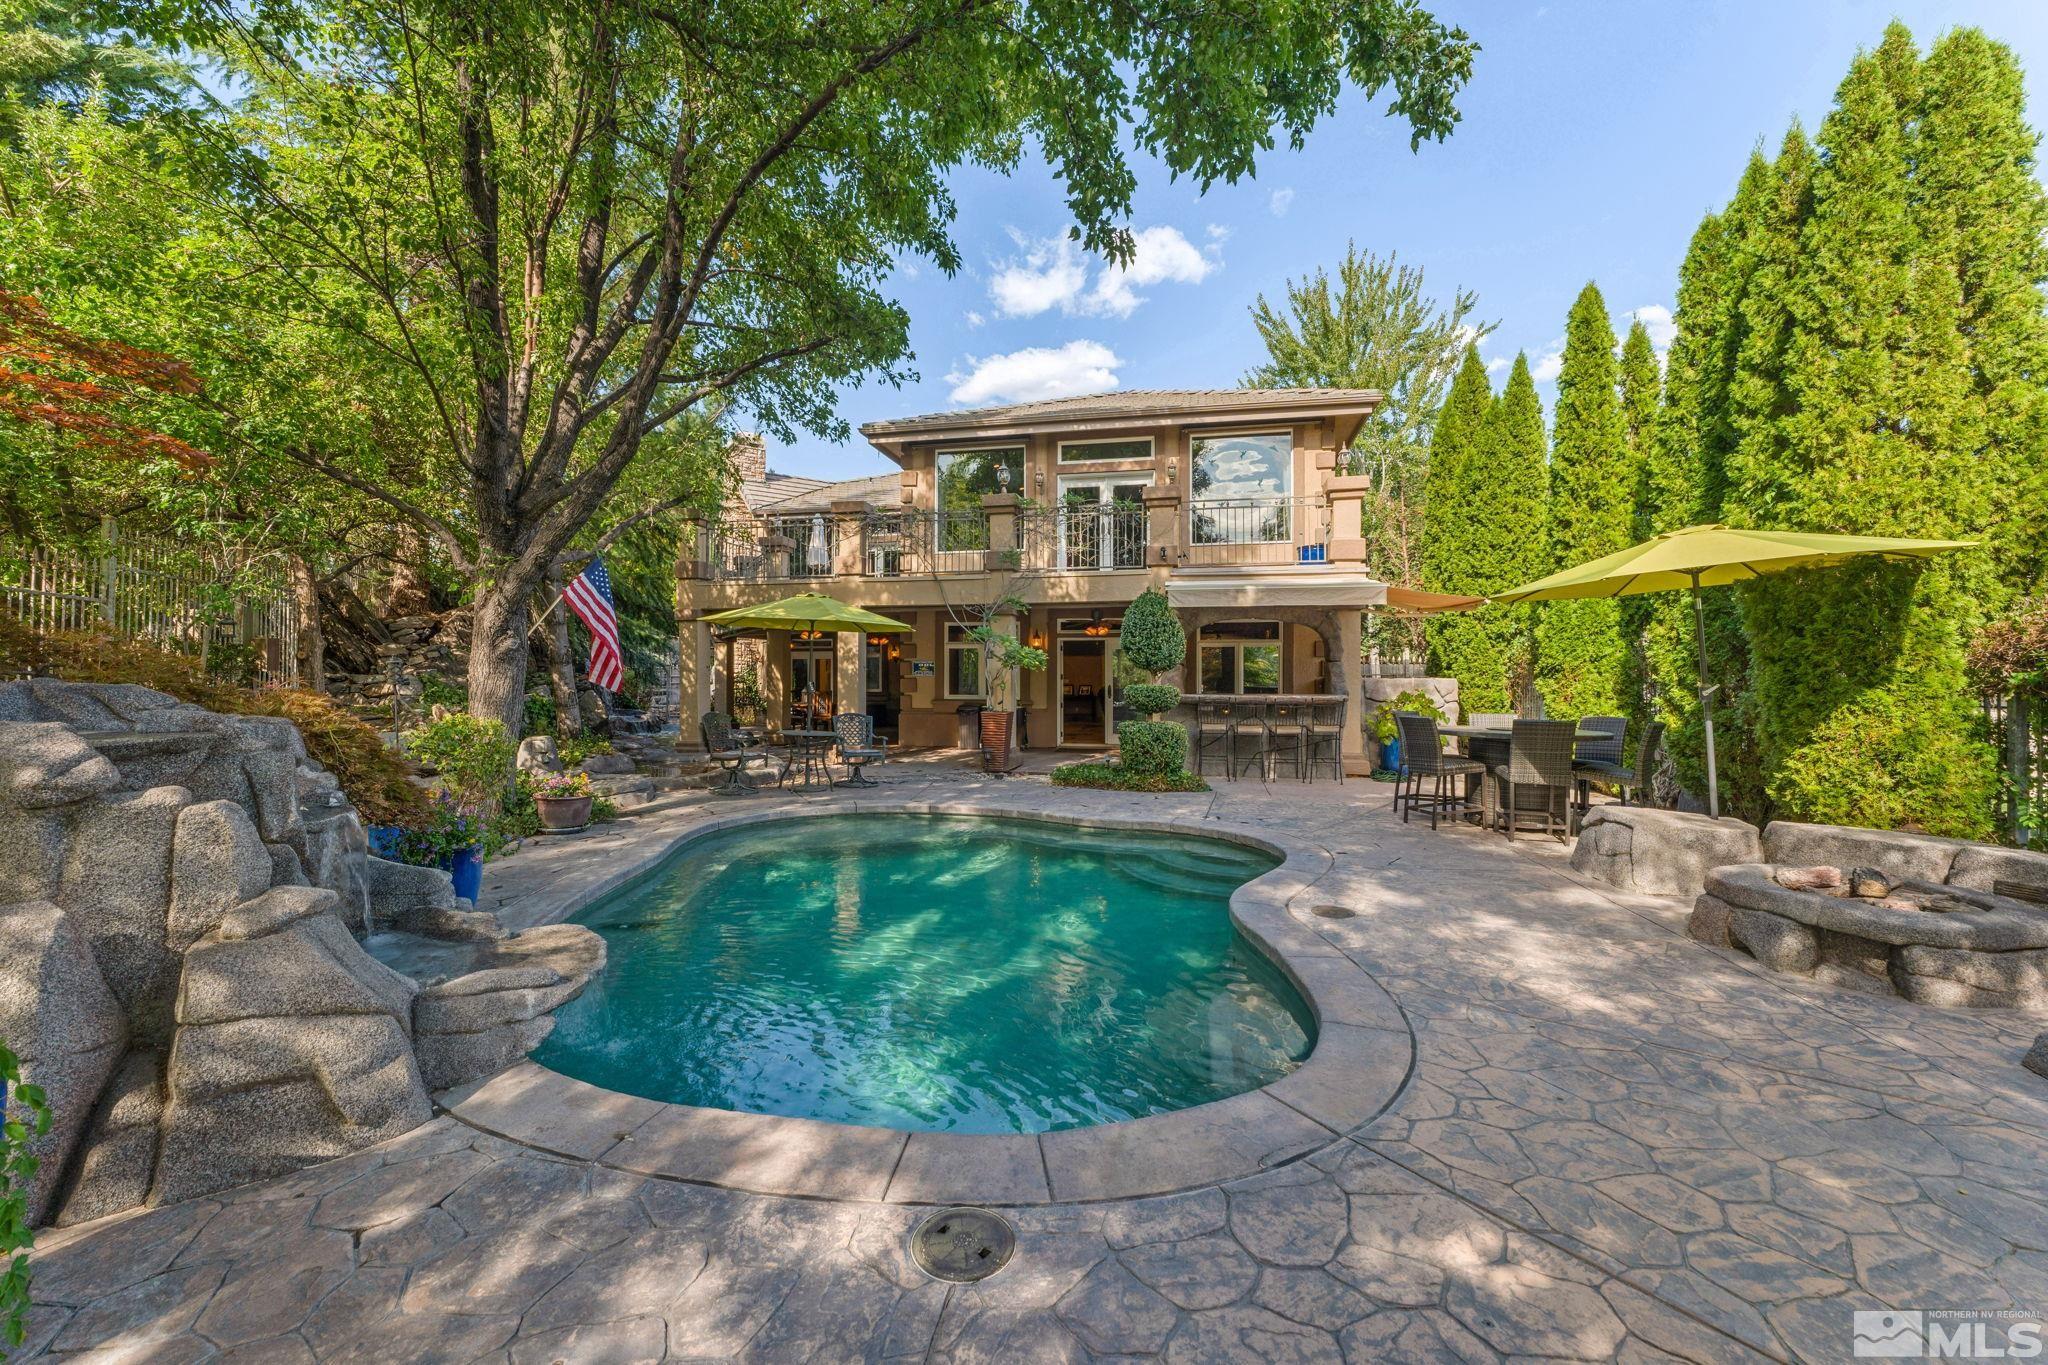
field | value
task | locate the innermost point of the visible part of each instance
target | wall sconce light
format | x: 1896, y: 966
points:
x: 1172, y: 470
x: 1003, y: 477
x: 1038, y: 480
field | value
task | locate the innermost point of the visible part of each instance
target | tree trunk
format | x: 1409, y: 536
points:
x: 312, y: 648
x: 409, y: 593
x: 561, y: 660
x: 498, y: 654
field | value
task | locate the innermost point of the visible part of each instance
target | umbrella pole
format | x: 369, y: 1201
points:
x: 1699, y: 628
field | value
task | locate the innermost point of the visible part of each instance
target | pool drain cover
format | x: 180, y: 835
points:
x: 962, y: 1245
x: 1334, y: 912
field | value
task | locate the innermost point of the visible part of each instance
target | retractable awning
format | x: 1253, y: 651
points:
x: 1287, y: 587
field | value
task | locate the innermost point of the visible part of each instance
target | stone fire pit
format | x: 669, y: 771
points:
x: 1935, y: 943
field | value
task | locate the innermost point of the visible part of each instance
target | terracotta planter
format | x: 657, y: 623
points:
x: 562, y: 814
x: 995, y: 739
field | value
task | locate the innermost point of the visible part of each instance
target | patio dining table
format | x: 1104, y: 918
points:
x: 808, y: 748
x: 1490, y: 744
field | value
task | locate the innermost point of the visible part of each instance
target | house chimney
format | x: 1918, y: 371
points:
x: 749, y: 456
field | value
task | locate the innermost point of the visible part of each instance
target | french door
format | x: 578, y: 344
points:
x: 1101, y: 523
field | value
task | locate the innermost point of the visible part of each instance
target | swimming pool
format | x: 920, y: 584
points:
x: 934, y: 973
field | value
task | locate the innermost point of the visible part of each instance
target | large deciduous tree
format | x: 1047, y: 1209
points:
x: 1375, y: 326
x: 558, y: 229
x: 1580, y: 657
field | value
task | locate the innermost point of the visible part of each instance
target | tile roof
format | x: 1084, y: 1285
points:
x: 878, y: 488
x: 1126, y: 403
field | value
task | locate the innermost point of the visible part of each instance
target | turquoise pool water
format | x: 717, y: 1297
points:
x: 934, y: 973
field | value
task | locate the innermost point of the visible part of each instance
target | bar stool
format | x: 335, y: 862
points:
x: 1324, y: 730
x: 1286, y: 737
x: 1251, y: 725
x: 1215, y: 727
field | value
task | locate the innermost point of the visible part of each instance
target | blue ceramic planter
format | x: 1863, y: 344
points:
x: 1390, y: 755
x: 467, y: 868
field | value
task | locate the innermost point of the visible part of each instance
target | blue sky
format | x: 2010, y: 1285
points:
x: 1595, y: 134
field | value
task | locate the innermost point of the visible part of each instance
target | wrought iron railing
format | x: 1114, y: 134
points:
x: 1081, y: 537
x: 1258, y: 530
x: 911, y: 541
x: 756, y: 548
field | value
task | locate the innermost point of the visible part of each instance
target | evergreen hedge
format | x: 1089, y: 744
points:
x: 1580, y: 657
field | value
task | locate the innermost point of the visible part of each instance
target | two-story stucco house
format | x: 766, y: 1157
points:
x: 1228, y: 499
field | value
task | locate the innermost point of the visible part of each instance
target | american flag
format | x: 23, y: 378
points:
x: 590, y: 597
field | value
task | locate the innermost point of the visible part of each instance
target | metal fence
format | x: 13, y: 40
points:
x: 174, y: 595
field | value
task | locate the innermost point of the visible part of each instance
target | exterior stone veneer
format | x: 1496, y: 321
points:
x: 1362, y: 1058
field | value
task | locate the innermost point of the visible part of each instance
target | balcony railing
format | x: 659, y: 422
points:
x: 1083, y: 537
x: 749, y: 549
x: 911, y: 542
x: 1258, y: 530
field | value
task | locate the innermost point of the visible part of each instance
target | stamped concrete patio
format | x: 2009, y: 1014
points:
x: 1612, y: 1143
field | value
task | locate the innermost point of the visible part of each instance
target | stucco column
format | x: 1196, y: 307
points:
x: 1347, y: 517
x: 775, y: 677
x: 1347, y: 676
x: 849, y: 676
x: 1164, y: 526
x: 776, y: 550
x: 697, y: 677
x: 851, y: 516
x: 1001, y: 510
x: 693, y: 548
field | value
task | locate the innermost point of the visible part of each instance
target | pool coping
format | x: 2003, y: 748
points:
x: 1363, y: 1056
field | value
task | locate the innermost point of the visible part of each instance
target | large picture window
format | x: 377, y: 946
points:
x: 963, y: 663
x: 1088, y: 452
x: 1240, y: 657
x: 1242, y: 488
x: 963, y: 477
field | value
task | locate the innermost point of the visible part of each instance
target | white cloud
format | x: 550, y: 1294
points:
x: 1051, y: 272
x: 1160, y: 255
x: 1282, y: 200
x: 1549, y: 362
x: 1036, y: 373
x: 1658, y: 322
x: 1497, y: 364
x: 974, y: 318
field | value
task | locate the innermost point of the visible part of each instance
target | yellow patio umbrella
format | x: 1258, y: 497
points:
x: 1709, y: 557
x: 807, y: 611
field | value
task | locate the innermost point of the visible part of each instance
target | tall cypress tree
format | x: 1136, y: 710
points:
x: 1642, y: 385
x: 1450, y: 542
x: 1867, y: 425
x: 1977, y: 167
x: 1580, y: 657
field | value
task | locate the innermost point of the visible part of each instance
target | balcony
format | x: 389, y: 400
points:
x: 862, y: 541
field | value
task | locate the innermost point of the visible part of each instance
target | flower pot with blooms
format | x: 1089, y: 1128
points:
x: 450, y: 839
x: 563, y: 801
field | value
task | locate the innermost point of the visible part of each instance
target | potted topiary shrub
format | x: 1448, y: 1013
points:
x: 1154, y: 640
x: 562, y: 801
x: 1001, y: 655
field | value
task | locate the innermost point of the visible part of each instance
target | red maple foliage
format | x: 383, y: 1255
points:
x: 53, y: 376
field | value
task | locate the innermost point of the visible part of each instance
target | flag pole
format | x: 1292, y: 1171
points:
x: 549, y: 612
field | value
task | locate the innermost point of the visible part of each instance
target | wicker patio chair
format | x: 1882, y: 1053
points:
x: 1422, y: 755
x: 858, y: 747
x: 1628, y: 779
x: 1486, y: 720
x: 725, y: 747
x: 1540, y: 756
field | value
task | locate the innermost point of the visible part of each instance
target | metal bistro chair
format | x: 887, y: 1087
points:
x: 858, y: 747
x: 1422, y: 755
x: 1540, y: 756
x: 1215, y: 728
x: 1323, y: 730
x: 1628, y: 779
x: 1605, y: 750
x: 1286, y: 730
x: 725, y: 747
